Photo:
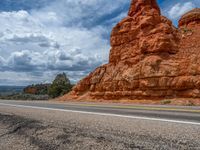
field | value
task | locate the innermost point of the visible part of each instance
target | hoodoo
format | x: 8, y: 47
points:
x: 149, y: 58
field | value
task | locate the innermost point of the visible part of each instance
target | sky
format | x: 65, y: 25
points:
x: 41, y: 38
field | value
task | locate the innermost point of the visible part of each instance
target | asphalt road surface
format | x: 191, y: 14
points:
x: 55, y: 125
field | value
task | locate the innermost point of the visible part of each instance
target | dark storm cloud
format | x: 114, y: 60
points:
x: 40, y: 40
x: 27, y: 61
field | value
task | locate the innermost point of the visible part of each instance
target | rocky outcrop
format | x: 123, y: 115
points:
x: 149, y: 58
x: 38, y: 89
x: 192, y: 17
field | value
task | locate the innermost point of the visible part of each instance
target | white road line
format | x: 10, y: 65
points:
x: 104, y: 114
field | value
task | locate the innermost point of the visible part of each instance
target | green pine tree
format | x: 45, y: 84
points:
x: 60, y: 86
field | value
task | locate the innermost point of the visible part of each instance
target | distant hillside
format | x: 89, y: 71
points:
x: 60, y: 86
x: 11, y: 89
x: 17, y: 93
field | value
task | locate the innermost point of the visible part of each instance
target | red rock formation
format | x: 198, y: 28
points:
x: 38, y: 89
x: 149, y: 58
x: 192, y: 17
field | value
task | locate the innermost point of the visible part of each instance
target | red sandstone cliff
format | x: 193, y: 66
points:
x: 149, y: 58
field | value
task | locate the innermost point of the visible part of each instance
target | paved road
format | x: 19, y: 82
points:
x: 181, y: 114
x: 56, y: 125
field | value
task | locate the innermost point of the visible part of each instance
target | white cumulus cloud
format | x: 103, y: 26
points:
x: 179, y: 9
x: 61, y: 36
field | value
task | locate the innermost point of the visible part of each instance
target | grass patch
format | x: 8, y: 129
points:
x: 165, y: 102
x: 191, y: 103
x: 186, y: 30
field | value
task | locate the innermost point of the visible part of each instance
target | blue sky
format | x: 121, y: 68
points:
x: 40, y: 38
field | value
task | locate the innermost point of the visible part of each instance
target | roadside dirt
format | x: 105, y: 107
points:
x: 19, y: 133
x: 164, y: 101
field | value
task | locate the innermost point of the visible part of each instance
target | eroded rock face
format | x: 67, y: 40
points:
x: 190, y: 18
x: 149, y: 58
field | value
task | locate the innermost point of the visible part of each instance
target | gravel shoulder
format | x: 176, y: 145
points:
x: 22, y: 129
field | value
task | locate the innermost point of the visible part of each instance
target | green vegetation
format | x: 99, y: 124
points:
x: 23, y: 96
x: 60, y: 86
